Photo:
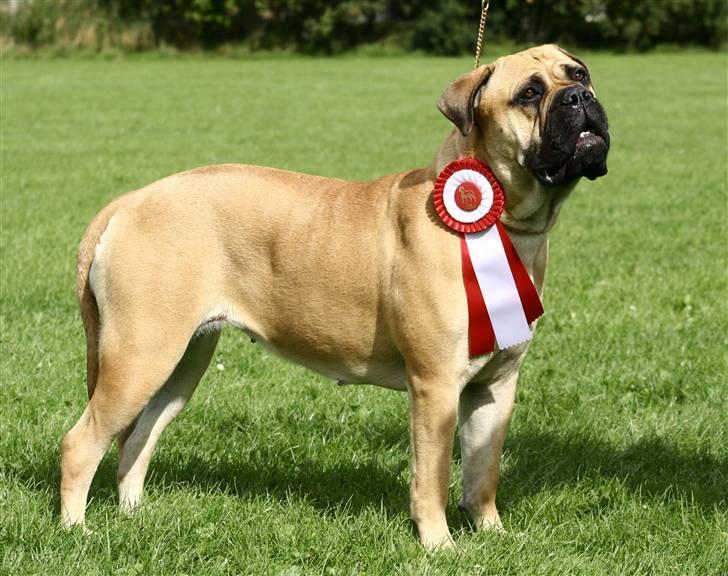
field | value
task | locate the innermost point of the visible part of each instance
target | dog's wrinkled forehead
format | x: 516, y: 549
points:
x: 549, y: 64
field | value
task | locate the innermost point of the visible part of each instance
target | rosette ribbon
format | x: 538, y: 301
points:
x: 502, y: 300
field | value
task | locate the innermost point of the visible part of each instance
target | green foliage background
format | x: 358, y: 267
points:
x: 331, y: 26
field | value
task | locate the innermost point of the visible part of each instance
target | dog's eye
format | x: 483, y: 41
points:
x: 529, y: 95
x: 580, y: 75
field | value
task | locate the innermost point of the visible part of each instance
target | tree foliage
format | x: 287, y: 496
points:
x: 437, y: 26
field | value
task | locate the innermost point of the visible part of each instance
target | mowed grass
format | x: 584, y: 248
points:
x: 617, y: 457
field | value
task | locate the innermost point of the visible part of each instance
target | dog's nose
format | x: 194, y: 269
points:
x: 576, y: 96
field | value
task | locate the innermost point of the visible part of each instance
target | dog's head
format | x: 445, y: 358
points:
x: 532, y: 115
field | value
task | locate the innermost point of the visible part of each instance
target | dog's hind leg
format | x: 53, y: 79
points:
x: 133, y: 366
x: 137, y: 444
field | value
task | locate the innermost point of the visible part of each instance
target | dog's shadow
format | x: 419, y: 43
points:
x: 324, y: 482
x: 653, y: 470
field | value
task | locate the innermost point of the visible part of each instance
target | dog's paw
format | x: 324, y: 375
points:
x: 487, y: 520
x: 77, y: 528
x: 436, y: 538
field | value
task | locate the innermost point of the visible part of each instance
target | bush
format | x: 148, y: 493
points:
x: 621, y: 24
x: 330, y: 26
x: 78, y: 24
x: 319, y: 26
x: 449, y: 27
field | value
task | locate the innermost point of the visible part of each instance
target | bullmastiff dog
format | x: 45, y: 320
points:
x: 359, y: 281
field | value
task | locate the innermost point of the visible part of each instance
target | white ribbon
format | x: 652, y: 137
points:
x: 498, y: 288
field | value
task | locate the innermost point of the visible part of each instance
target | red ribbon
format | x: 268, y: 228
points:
x: 481, y: 337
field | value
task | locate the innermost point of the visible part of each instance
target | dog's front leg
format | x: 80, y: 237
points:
x: 433, y: 409
x: 484, y: 412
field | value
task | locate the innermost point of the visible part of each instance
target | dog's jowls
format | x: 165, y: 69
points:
x: 359, y: 281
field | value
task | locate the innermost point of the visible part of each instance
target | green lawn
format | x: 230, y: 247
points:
x: 617, y: 458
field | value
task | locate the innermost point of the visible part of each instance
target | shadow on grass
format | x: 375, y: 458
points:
x: 334, y: 477
x: 538, y: 461
x: 651, y: 468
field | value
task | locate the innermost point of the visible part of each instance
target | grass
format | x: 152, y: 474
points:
x: 617, y: 457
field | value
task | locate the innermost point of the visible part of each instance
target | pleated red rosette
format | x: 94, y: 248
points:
x: 502, y: 300
x: 468, y: 196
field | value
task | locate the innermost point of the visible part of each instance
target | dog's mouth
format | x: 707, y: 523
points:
x: 588, y: 159
x: 551, y: 176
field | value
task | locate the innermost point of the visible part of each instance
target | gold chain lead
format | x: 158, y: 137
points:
x: 485, y: 4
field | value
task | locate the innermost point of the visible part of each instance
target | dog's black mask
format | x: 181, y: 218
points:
x: 575, y: 139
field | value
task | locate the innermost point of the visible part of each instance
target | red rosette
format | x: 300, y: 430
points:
x: 467, y: 196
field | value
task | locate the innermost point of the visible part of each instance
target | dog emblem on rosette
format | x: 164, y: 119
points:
x: 467, y: 196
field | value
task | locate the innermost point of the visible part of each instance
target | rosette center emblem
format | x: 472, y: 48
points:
x: 467, y: 196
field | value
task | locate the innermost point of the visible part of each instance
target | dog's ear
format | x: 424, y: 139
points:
x: 459, y: 100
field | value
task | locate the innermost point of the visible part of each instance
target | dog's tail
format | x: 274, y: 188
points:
x: 86, y: 299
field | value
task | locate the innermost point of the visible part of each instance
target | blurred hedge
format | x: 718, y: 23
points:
x: 319, y: 26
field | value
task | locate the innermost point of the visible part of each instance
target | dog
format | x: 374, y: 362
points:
x: 358, y: 281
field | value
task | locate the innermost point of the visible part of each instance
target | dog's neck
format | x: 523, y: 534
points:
x: 531, y: 208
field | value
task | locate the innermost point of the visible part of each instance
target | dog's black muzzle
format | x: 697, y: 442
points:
x: 575, y: 139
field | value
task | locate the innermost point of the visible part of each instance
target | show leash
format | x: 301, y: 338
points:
x: 484, y: 5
